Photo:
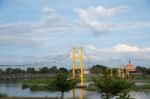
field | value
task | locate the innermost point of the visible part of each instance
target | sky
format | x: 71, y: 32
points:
x: 112, y: 32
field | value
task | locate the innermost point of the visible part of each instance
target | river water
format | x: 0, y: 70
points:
x: 16, y: 90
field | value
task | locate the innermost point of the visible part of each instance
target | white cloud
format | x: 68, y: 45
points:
x: 131, y: 25
x: 103, y: 12
x: 125, y: 48
x: 47, y: 9
x: 96, y: 19
x: 119, y: 54
x: 90, y: 16
x: 53, y: 24
x: 39, y: 33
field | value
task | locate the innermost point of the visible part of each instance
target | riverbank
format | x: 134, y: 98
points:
x: 14, y: 91
x: 36, y: 81
x: 26, y: 98
x: 41, y: 85
x: 44, y: 80
x: 142, y: 87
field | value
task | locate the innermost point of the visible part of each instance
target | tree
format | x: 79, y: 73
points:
x: 141, y: 69
x: 144, y: 70
x: 17, y: 70
x: 62, y: 83
x: 112, y: 86
x: 31, y: 70
x: 98, y: 69
x: 44, y: 70
x: 1, y: 71
x: 53, y: 69
x: 148, y: 71
x: 62, y: 70
x: 8, y: 70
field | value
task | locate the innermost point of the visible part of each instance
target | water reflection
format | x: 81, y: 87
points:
x: 81, y: 93
x: 81, y: 96
x: 16, y: 90
x: 140, y: 95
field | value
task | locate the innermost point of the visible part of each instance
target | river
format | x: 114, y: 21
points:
x: 16, y: 90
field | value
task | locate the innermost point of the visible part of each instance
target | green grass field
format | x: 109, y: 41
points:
x: 32, y: 98
x: 25, y: 98
x: 43, y: 80
x: 36, y: 81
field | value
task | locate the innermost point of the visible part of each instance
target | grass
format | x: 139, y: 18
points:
x: 144, y: 87
x: 36, y: 84
x: 36, y: 81
x: 44, y: 80
x: 26, y: 98
x: 39, y: 88
x: 33, y: 98
x: 24, y: 86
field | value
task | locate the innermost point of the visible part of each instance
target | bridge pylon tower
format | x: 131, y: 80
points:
x: 121, y: 72
x: 77, y: 64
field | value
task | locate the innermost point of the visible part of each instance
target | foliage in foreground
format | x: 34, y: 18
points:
x: 112, y: 86
x: 2, y: 95
x: 62, y: 83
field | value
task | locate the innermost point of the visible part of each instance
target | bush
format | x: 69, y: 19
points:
x: 24, y: 86
x: 111, y: 86
x: 2, y: 95
x: 62, y: 83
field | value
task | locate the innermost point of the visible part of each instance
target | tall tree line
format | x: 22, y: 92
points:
x: 52, y: 69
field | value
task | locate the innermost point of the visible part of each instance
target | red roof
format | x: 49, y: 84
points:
x: 130, y: 67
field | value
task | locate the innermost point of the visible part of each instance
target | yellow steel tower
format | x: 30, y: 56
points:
x: 121, y: 72
x: 77, y: 64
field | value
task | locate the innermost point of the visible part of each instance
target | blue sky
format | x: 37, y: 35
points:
x: 111, y: 31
